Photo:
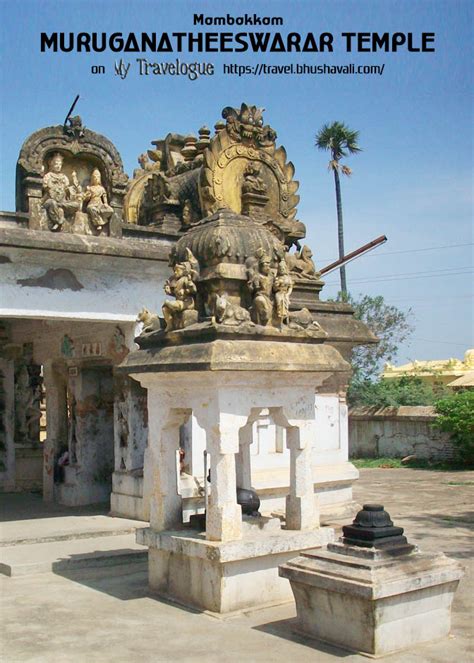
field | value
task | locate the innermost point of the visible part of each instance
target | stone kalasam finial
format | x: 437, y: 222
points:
x: 182, y: 285
x: 189, y: 150
x: 204, y: 139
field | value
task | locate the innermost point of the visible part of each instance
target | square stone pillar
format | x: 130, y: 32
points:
x: 224, y: 515
x: 162, y: 470
x: 243, y: 459
x: 55, y: 383
x: 7, y: 424
x: 300, y: 503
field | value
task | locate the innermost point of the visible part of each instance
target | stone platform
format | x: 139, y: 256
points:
x: 225, y: 576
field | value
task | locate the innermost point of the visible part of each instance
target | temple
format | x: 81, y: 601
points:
x: 203, y: 241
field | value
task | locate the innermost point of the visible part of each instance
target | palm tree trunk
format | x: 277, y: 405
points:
x: 340, y: 232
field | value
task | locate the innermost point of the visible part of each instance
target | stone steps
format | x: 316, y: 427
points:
x: 62, y: 535
x: 60, y: 555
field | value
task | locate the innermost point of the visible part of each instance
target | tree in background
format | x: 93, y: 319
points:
x: 406, y: 390
x: 392, y: 326
x: 456, y: 416
x: 340, y: 141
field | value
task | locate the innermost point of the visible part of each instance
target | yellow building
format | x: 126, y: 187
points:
x: 436, y: 371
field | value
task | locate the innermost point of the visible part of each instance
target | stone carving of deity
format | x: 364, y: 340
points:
x: 97, y: 207
x: 60, y: 199
x: 282, y: 287
x: 182, y: 286
x: 253, y: 183
x: 260, y: 283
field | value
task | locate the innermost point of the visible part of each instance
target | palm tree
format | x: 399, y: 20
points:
x: 340, y: 141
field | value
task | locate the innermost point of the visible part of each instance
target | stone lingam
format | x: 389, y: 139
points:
x: 373, y: 592
x: 227, y: 348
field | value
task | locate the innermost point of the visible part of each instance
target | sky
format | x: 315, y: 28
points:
x: 412, y: 182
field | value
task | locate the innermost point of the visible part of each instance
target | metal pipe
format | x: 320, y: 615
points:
x: 71, y: 109
x: 353, y: 255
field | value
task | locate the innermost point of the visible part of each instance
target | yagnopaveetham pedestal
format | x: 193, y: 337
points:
x: 373, y: 593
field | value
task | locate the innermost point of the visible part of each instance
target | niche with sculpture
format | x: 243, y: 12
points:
x: 77, y: 202
x: 71, y: 180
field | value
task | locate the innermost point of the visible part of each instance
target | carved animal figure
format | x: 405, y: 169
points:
x: 228, y: 313
x: 151, y: 322
x: 301, y: 263
x: 302, y: 319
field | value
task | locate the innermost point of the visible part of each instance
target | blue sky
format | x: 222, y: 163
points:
x: 412, y: 182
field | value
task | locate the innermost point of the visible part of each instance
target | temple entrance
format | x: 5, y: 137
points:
x: 58, y: 394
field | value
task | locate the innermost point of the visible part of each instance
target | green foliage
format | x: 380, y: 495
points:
x: 338, y: 139
x: 394, y: 392
x: 456, y: 416
x: 388, y: 323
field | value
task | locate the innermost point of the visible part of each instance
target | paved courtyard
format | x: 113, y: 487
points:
x: 101, y: 615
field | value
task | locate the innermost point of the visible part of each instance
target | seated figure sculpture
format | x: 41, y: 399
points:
x: 253, y: 183
x: 97, y: 208
x: 182, y: 285
x: 59, y: 198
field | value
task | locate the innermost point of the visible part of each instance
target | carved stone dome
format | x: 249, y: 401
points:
x: 227, y: 237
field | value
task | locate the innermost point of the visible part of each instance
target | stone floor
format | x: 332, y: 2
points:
x: 101, y: 615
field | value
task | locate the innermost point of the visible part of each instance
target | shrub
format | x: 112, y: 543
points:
x: 394, y: 392
x: 456, y: 416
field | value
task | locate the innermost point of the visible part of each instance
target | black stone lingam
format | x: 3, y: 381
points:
x: 373, y: 528
x: 249, y: 501
x: 246, y: 497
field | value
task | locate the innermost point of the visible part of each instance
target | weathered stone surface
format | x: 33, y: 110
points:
x: 398, y: 432
x: 224, y: 577
x: 234, y: 354
x: 55, y: 201
x: 372, y: 601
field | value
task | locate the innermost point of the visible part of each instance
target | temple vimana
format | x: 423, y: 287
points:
x: 204, y: 232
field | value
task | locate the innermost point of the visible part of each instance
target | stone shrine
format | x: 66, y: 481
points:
x: 230, y: 346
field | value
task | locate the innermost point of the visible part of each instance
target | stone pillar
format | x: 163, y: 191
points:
x: 130, y: 424
x: 224, y: 515
x: 162, y: 464
x: 193, y: 441
x: 243, y: 460
x: 56, y: 424
x: 7, y: 425
x: 300, y: 503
